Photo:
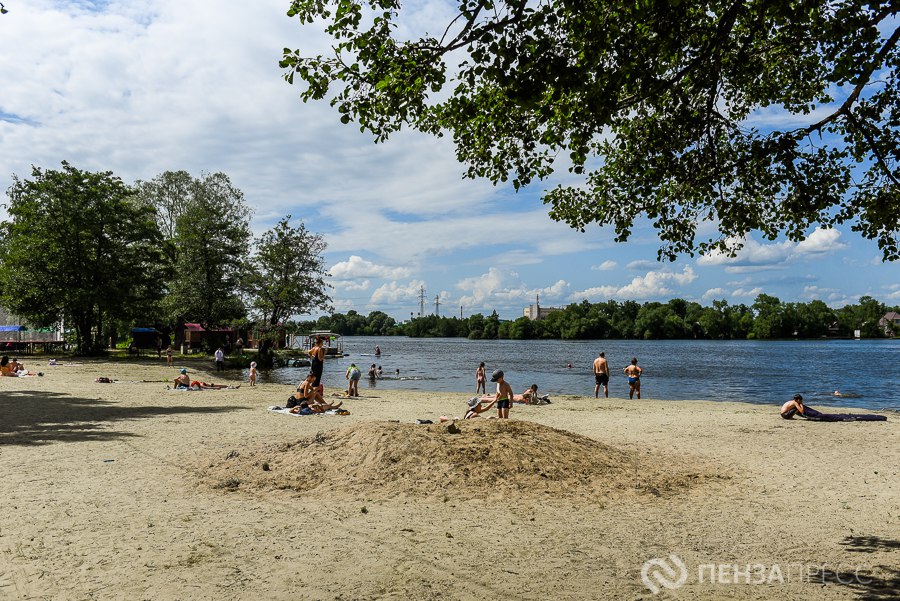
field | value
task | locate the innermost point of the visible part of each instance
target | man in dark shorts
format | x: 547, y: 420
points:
x: 601, y: 375
x: 504, y: 394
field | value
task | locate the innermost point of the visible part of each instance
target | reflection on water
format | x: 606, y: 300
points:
x: 866, y: 372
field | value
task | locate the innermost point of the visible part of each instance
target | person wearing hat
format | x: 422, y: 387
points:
x: 476, y: 406
x: 183, y: 379
x: 504, y: 394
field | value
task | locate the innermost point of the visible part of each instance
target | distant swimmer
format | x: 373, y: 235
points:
x: 377, y: 351
x: 569, y: 366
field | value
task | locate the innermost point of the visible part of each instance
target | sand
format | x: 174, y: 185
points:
x: 132, y: 491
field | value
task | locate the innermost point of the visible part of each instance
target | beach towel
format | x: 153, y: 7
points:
x: 813, y: 415
x: 287, y: 411
x: 305, y: 411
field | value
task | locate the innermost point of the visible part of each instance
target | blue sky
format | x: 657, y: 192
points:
x: 139, y: 87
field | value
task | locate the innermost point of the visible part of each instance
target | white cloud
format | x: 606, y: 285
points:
x: 607, y: 265
x: 653, y: 285
x: 713, y: 294
x: 357, y: 267
x: 755, y: 257
x: 393, y: 293
x: 820, y: 241
x: 817, y: 293
x: 642, y: 265
x: 503, y: 288
x: 747, y: 292
x: 352, y: 285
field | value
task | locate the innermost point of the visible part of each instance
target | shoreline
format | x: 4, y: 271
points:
x: 103, y: 485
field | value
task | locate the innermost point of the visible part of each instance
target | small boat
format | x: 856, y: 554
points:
x: 334, y: 343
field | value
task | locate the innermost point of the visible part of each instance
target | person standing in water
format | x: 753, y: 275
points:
x: 480, y: 379
x: 634, y: 372
x: 601, y: 376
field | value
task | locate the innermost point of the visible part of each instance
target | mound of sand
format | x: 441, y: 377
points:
x: 473, y: 459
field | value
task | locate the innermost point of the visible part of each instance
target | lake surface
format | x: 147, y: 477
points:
x: 752, y: 371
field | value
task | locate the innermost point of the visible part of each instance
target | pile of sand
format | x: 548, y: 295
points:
x: 471, y: 459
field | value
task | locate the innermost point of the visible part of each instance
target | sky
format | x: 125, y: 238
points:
x: 139, y: 87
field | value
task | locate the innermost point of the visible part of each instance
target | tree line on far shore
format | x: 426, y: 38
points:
x: 767, y: 318
x: 89, y: 251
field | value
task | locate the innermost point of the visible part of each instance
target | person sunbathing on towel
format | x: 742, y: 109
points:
x: 309, y: 394
x: 198, y: 385
x: 526, y: 397
x: 183, y: 380
x: 796, y: 407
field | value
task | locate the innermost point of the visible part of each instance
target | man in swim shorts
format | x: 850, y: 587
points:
x: 504, y: 394
x: 601, y: 375
x: 634, y: 372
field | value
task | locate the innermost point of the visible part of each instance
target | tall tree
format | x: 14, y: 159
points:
x: 169, y: 193
x: 79, y: 248
x: 212, y: 235
x: 286, y: 276
x: 662, y: 92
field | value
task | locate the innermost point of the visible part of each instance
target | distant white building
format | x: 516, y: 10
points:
x: 536, y: 312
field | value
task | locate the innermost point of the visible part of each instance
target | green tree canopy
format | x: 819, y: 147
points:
x: 78, y: 248
x: 212, y: 237
x: 651, y: 102
x: 286, y: 276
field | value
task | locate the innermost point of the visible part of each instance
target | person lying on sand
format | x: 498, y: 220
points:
x: 796, y: 407
x: 198, y: 385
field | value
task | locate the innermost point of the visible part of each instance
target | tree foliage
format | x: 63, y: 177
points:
x: 287, y: 275
x: 78, y: 248
x: 659, y: 105
x: 212, y: 238
x: 767, y: 318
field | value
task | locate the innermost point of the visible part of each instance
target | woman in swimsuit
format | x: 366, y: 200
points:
x: 480, y: 379
x: 317, y: 357
x: 634, y: 372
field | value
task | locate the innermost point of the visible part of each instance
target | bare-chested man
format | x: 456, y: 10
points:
x: 601, y: 375
x: 504, y: 394
x: 634, y: 372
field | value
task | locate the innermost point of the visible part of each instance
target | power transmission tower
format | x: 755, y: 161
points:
x: 421, y: 301
x: 437, y: 304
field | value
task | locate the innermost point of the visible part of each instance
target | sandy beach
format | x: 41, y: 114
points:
x: 131, y: 491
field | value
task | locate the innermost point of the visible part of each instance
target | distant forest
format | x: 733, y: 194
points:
x: 766, y: 318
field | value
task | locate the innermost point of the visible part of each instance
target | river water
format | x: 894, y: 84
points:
x: 867, y: 371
